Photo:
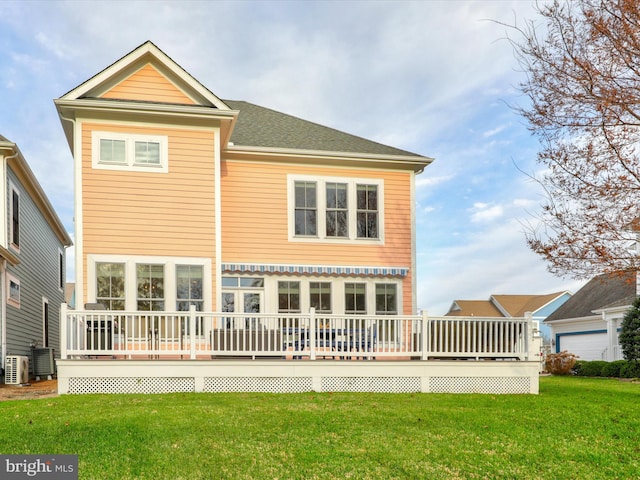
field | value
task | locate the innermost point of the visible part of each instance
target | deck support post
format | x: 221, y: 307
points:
x: 192, y: 332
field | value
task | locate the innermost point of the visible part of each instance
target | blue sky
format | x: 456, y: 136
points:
x: 431, y: 77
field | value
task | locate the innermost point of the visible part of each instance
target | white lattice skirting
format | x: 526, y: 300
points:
x: 159, y: 376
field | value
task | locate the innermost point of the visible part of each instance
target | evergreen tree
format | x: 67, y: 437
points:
x: 630, y: 333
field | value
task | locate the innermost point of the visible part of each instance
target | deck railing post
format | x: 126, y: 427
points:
x: 425, y: 332
x: 312, y: 333
x: 528, y: 339
x: 192, y: 332
x: 63, y: 331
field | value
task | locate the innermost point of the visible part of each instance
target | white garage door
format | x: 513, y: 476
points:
x: 588, y: 346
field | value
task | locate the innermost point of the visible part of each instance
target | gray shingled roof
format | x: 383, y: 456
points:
x: 601, y: 291
x: 262, y: 127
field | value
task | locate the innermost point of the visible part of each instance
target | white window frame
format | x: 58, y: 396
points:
x: 12, y: 300
x: 337, y: 291
x: 130, y: 278
x: 129, y: 164
x: 321, y: 227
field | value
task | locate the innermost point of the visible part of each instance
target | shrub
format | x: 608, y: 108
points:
x: 630, y: 370
x: 613, y: 369
x: 560, y: 363
x: 593, y: 369
x: 577, y: 367
x: 630, y: 332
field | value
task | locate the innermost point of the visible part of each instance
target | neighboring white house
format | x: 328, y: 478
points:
x: 588, y: 324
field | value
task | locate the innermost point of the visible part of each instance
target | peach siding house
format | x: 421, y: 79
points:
x: 209, y: 229
x: 175, y: 185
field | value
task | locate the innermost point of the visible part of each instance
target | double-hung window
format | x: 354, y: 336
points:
x: 355, y: 298
x: 367, y: 211
x: 320, y: 296
x: 150, y: 287
x: 288, y: 297
x: 189, y: 287
x: 336, y: 209
x: 387, y: 304
x: 117, y: 151
x: 305, y: 209
x: 110, y: 285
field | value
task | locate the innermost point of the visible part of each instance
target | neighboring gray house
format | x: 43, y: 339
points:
x: 588, y: 324
x: 32, y: 260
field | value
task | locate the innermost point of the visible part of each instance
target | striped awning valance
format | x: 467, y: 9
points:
x: 314, y: 270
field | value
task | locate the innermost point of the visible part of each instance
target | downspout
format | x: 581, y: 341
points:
x: 77, y: 216
x: 3, y: 308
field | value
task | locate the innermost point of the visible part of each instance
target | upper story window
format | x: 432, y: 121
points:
x: 335, y: 209
x: 306, y: 222
x: 13, y: 287
x: 14, y: 233
x: 117, y: 151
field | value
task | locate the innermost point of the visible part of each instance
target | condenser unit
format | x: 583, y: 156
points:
x: 16, y: 370
x: 43, y: 362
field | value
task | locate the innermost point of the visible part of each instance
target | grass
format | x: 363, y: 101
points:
x: 576, y: 428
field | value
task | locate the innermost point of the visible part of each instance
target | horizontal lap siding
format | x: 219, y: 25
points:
x: 38, y: 274
x: 147, y: 84
x: 139, y: 213
x: 255, y: 218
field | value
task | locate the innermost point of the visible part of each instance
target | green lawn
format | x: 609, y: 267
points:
x: 577, y: 428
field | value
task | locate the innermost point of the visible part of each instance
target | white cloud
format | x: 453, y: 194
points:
x: 483, y: 212
x: 494, y: 131
x: 492, y: 261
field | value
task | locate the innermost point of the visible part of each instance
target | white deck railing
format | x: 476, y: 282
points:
x: 197, y: 335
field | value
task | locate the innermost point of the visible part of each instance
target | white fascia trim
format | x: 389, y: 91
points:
x: 132, y: 107
x: 413, y: 161
x: 560, y: 321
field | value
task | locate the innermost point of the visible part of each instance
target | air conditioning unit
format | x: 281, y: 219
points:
x: 44, y: 364
x: 16, y: 370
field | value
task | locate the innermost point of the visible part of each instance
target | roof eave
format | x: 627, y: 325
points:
x: 415, y: 163
x: 69, y: 110
x: 31, y: 182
